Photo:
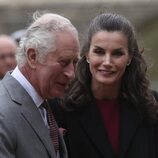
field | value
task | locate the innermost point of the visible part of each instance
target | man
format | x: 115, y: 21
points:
x: 46, y: 62
x: 7, y: 54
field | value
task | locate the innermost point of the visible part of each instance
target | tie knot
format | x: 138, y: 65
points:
x: 45, y: 104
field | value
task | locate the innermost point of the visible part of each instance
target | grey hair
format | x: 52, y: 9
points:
x: 41, y: 35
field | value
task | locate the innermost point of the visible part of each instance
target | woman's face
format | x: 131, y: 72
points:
x: 108, y: 58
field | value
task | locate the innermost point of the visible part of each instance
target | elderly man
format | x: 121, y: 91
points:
x: 7, y: 54
x: 46, y: 62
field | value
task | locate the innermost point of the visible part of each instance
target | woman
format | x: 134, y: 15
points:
x: 109, y: 110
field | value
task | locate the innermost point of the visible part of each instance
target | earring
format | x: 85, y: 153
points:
x: 128, y: 64
x: 87, y: 61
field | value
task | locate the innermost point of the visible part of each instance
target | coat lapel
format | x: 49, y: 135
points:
x: 130, y: 120
x: 63, y: 150
x: 32, y: 115
x: 29, y: 111
x: 92, y: 123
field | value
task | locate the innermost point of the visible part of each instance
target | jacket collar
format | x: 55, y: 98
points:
x: 29, y: 111
x: 129, y: 123
x: 92, y: 123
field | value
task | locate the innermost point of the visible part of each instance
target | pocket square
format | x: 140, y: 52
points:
x: 62, y: 131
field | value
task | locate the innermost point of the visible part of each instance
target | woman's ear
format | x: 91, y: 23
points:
x: 31, y: 57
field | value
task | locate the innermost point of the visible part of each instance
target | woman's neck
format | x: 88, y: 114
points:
x: 102, y: 92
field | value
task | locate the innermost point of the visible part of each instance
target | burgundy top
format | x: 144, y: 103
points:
x: 110, y: 113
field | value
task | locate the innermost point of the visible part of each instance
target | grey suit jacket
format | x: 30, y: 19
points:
x: 23, y: 133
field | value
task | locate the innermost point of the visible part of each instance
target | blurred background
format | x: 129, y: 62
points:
x: 16, y: 15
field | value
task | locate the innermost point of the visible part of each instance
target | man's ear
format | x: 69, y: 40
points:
x: 31, y: 57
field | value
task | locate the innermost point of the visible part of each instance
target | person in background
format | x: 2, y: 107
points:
x: 17, y: 35
x: 46, y: 62
x: 109, y: 111
x: 8, y: 49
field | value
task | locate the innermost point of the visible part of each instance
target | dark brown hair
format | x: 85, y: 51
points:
x: 135, y: 85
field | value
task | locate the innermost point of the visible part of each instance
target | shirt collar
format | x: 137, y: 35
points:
x: 27, y: 86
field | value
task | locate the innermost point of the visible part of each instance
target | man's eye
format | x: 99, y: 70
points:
x: 2, y: 57
x: 64, y: 63
x: 12, y: 55
x: 75, y: 62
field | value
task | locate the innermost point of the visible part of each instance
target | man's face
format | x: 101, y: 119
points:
x: 53, y: 75
x: 7, y: 56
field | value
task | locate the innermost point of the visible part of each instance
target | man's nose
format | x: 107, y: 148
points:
x: 70, y: 71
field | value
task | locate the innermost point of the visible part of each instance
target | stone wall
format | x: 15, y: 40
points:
x: 17, y: 17
x: 144, y: 15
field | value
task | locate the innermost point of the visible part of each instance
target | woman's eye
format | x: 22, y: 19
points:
x: 98, y: 51
x: 118, y: 53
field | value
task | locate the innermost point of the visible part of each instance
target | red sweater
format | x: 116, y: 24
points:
x: 110, y: 112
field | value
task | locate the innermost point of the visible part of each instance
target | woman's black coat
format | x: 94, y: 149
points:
x: 86, y: 136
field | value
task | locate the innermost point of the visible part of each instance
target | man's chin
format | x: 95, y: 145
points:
x: 58, y: 94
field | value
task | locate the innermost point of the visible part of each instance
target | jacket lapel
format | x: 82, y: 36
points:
x: 92, y: 123
x: 130, y: 120
x: 63, y: 150
x: 29, y: 111
x: 32, y: 115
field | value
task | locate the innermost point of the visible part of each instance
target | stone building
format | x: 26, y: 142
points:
x: 15, y: 15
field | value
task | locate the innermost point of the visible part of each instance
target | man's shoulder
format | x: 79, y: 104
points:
x: 4, y: 92
x: 7, y: 92
x: 6, y: 102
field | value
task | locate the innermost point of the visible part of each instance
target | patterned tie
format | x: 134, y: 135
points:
x: 53, y: 128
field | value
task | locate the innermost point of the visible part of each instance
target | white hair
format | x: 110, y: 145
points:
x: 41, y: 35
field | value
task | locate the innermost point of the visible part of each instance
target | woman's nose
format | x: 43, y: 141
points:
x: 107, y: 59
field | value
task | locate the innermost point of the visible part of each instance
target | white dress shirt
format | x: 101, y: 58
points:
x: 38, y: 100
